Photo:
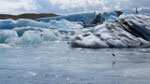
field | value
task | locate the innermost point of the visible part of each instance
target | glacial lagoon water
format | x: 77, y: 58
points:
x: 56, y: 63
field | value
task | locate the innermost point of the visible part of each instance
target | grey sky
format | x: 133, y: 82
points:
x: 69, y: 6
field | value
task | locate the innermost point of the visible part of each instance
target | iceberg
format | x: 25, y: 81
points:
x: 7, y: 34
x: 10, y: 24
x: 85, y: 18
x: 24, y: 31
x: 29, y: 23
x: 6, y: 24
x: 61, y: 24
x: 64, y: 24
x: 130, y: 31
x: 32, y: 37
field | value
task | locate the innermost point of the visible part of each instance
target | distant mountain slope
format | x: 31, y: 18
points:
x: 32, y: 16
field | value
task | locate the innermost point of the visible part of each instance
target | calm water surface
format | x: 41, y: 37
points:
x: 57, y: 63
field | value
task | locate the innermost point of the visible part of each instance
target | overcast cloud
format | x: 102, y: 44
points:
x: 69, y: 6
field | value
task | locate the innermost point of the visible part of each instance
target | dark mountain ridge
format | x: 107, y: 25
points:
x: 32, y: 16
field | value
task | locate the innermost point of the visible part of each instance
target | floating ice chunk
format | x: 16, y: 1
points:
x: 34, y: 37
x: 109, y: 15
x: 20, y: 31
x: 7, y: 34
x: 88, y: 40
x: 5, y: 46
x: 49, y: 36
x: 30, y: 23
x: 31, y: 37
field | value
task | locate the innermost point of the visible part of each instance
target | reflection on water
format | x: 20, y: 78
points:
x: 56, y: 63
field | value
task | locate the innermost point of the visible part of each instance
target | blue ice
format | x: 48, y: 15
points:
x: 86, y: 18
